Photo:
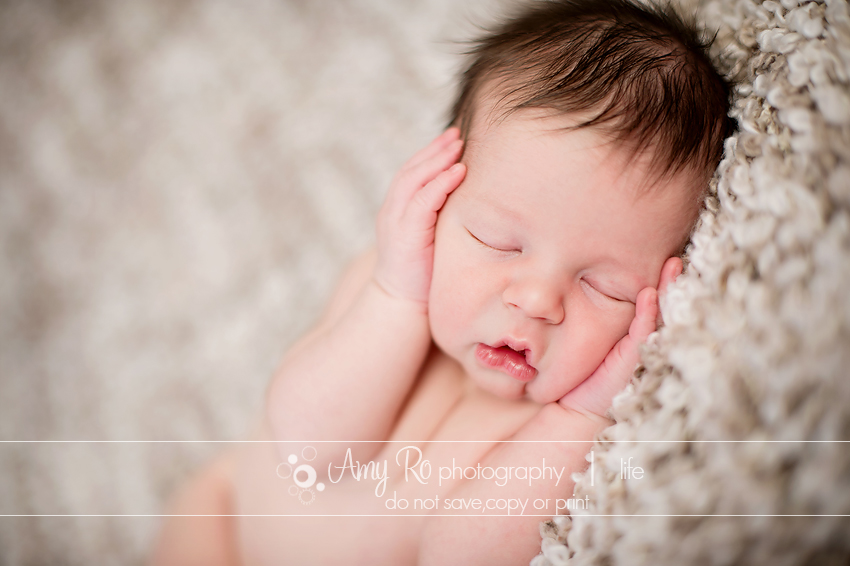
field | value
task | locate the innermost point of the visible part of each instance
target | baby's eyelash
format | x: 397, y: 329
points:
x: 486, y: 245
x: 609, y: 297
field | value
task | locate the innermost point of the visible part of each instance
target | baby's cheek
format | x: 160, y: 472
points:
x: 442, y: 303
x: 582, y: 348
x: 448, y: 302
x: 436, y: 320
x: 612, y: 323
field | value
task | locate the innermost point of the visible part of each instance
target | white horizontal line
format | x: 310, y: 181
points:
x: 426, y: 515
x: 413, y: 441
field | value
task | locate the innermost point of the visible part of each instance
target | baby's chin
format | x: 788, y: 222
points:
x: 508, y: 388
x: 499, y: 384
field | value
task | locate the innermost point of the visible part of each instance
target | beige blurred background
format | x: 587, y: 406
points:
x: 180, y: 185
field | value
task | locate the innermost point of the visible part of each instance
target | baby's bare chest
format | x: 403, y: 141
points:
x: 443, y: 423
x: 444, y: 406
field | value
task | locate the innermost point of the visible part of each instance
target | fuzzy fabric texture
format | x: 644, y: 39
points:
x: 757, y: 339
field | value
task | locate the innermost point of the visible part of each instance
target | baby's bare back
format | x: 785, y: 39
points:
x: 356, y: 520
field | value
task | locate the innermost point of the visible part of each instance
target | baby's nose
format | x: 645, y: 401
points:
x: 536, y: 299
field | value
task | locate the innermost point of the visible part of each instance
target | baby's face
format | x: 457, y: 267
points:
x: 541, y: 252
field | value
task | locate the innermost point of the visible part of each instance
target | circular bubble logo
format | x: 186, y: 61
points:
x: 307, y: 496
x: 303, y: 476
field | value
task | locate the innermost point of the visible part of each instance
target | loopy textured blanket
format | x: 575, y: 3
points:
x: 756, y: 346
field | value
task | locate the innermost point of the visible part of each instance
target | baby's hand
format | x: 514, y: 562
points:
x: 595, y: 394
x: 407, y: 220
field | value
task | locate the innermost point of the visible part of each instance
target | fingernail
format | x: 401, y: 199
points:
x: 652, y: 301
x: 455, y: 168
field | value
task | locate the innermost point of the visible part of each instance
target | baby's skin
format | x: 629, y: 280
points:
x: 512, y: 284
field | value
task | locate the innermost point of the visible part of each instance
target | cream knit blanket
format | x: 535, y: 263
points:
x: 757, y: 342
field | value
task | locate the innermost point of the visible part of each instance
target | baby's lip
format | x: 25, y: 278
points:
x: 506, y: 359
x: 520, y: 346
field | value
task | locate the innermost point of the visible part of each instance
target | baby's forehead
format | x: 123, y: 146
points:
x: 493, y: 108
x: 510, y: 160
x: 518, y: 139
x: 495, y: 138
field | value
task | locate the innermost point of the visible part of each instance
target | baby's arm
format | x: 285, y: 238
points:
x: 510, y: 540
x: 347, y: 378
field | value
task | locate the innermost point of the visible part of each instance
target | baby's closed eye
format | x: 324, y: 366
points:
x: 493, y: 244
x: 601, y: 289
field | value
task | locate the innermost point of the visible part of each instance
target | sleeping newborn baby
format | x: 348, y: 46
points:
x: 518, y: 265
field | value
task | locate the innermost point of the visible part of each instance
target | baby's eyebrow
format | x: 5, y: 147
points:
x: 500, y: 210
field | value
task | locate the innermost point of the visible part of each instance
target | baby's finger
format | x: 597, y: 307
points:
x: 433, y: 148
x: 431, y: 197
x: 428, y: 169
x: 645, y: 313
x: 413, y: 180
x: 669, y: 272
x: 643, y: 324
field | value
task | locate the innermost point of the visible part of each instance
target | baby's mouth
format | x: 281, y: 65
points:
x: 524, y: 353
x: 506, y: 359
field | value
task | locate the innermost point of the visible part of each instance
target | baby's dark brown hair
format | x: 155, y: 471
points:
x: 640, y: 74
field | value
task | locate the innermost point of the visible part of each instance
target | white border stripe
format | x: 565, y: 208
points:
x: 427, y: 515
x: 599, y: 443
